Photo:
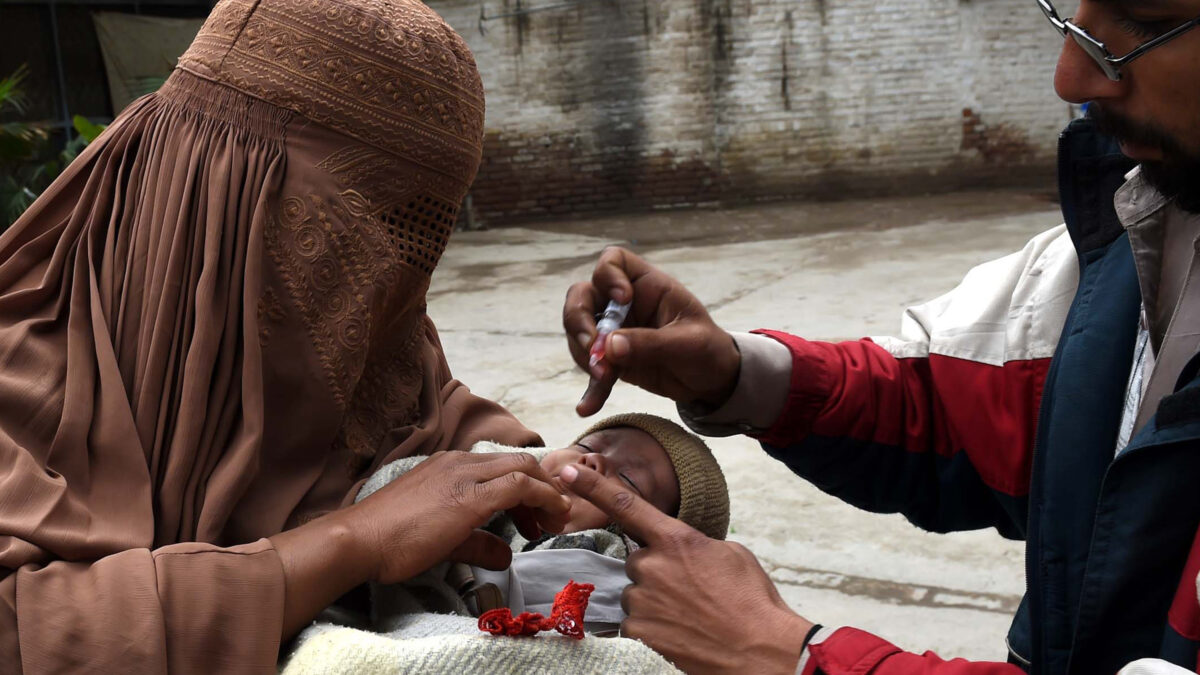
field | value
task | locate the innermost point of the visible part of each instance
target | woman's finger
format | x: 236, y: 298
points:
x: 496, y: 464
x: 551, y: 522
x: 532, y: 523
x: 516, y: 489
x: 483, y: 549
x: 525, y: 519
x: 506, y: 480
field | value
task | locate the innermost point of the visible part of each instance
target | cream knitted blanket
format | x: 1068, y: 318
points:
x: 326, y: 649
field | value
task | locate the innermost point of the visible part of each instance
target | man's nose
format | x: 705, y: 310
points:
x: 1078, y: 79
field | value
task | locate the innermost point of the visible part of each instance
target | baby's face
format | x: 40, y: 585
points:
x: 626, y: 455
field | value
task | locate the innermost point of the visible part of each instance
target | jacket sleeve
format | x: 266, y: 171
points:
x: 849, y: 651
x: 185, y: 608
x: 938, y: 423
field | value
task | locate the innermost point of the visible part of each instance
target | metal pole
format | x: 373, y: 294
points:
x: 62, y: 80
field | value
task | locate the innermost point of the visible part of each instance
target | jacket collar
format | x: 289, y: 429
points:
x: 1090, y: 170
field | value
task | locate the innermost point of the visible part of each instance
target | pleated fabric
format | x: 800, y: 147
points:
x: 213, y: 328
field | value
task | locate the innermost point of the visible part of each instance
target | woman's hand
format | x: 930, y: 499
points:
x: 671, y: 347
x: 428, y: 515
x: 431, y: 513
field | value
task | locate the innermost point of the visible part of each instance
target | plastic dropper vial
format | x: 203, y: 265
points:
x: 612, y: 318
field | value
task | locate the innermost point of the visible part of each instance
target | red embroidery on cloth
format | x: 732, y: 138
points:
x: 566, y: 615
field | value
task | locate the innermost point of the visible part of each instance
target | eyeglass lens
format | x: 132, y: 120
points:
x: 1097, y: 55
x: 1066, y: 12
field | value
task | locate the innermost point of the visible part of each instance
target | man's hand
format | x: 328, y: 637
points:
x: 706, y: 605
x: 670, y: 345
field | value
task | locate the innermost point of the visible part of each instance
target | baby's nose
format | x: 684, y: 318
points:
x: 594, y: 461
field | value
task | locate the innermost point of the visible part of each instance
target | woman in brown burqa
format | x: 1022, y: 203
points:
x: 212, y: 328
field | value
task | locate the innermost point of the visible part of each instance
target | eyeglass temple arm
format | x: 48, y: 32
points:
x: 1147, y: 46
x: 1052, y: 15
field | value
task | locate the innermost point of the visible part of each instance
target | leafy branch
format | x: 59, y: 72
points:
x: 25, y: 170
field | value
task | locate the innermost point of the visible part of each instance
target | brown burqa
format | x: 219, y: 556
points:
x: 212, y: 328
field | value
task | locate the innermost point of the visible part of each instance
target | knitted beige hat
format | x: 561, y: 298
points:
x: 703, y: 495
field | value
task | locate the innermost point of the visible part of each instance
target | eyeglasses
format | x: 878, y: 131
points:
x: 1111, y: 65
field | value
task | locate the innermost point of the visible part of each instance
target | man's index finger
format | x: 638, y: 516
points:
x: 635, y: 515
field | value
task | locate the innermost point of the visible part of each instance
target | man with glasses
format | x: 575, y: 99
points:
x: 1055, y: 396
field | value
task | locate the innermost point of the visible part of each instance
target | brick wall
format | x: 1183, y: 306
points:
x: 604, y: 105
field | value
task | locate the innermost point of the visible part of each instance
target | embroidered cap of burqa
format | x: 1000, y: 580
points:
x: 212, y: 328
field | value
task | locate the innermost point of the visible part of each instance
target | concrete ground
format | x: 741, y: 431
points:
x: 825, y: 271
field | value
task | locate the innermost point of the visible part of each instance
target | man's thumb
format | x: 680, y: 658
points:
x: 618, y: 348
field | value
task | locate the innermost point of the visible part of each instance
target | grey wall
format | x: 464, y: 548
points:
x: 622, y: 104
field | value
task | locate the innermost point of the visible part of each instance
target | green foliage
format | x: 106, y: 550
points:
x: 86, y: 130
x: 10, y: 93
x: 18, y: 140
x: 27, y: 164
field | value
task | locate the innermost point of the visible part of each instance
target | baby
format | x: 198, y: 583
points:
x: 660, y: 461
x: 667, y: 466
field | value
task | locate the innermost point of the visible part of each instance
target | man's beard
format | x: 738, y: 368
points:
x: 1176, y: 175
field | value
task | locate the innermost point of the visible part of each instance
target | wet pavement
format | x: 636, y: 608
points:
x: 828, y: 271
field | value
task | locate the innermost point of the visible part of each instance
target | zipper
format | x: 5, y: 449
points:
x: 1021, y: 660
x: 1031, y: 563
x: 1035, y: 601
x: 1034, y: 614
